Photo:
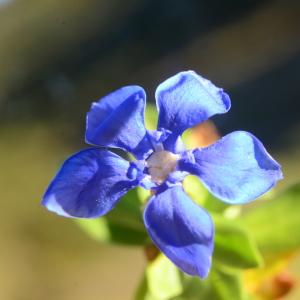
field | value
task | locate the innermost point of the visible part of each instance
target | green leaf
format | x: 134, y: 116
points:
x: 275, y: 223
x: 196, y: 288
x: 97, y: 229
x: 123, y: 225
x: 234, y: 246
x: 213, y: 204
x: 200, y: 194
x: 195, y: 189
x: 226, y: 284
x: 163, y: 279
x: 143, y: 292
x: 143, y: 194
x: 221, y: 284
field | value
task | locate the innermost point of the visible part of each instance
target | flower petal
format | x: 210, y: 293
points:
x: 181, y: 230
x: 187, y: 99
x: 236, y: 169
x: 89, y: 184
x: 117, y: 121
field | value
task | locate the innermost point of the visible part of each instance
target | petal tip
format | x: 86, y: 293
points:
x: 88, y: 185
x: 214, y: 91
x: 50, y: 203
x: 183, y: 231
x: 226, y: 101
x: 237, y: 169
x: 109, y: 120
x: 187, y: 99
x: 203, y: 272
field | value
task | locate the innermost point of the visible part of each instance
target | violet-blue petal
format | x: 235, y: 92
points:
x: 107, y: 104
x: 187, y: 99
x: 117, y: 121
x: 89, y: 184
x: 182, y: 230
x: 236, y: 169
x: 174, y: 143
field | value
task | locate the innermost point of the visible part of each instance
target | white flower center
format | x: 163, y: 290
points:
x: 160, y: 164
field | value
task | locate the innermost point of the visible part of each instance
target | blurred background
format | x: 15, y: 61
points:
x: 57, y: 56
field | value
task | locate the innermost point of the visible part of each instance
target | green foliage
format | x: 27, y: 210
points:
x: 226, y: 284
x: 234, y: 246
x: 270, y: 226
x: 213, y: 204
x: 195, y: 189
x: 275, y: 223
x: 222, y: 284
x: 143, y: 195
x: 270, y: 223
x: 200, y: 194
x: 142, y: 292
x: 163, y: 281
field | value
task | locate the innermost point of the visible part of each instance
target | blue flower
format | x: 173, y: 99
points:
x: 236, y: 169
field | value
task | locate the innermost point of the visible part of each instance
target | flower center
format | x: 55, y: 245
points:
x: 160, y: 164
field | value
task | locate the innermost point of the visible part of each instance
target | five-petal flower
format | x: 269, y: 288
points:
x: 236, y: 169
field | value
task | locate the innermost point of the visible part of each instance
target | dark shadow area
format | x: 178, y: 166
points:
x: 268, y: 106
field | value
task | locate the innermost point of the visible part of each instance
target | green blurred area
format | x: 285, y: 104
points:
x: 58, y: 56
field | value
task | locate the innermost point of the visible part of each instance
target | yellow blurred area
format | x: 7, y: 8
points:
x: 43, y: 256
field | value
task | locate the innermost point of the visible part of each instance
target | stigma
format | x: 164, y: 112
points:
x: 160, y: 164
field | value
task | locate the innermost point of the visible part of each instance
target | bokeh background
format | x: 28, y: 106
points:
x: 57, y: 56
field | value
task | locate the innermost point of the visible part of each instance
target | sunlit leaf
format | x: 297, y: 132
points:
x: 199, y: 193
x: 275, y: 223
x: 163, y: 279
x: 213, y: 204
x: 195, y: 189
x: 143, y: 194
x: 143, y: 292
x: 97, y: 229
x: 234, y: 246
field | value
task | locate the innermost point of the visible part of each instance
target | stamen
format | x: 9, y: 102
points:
x: 160, y: 164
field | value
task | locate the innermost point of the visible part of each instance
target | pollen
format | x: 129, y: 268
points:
x: 160, y: 164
